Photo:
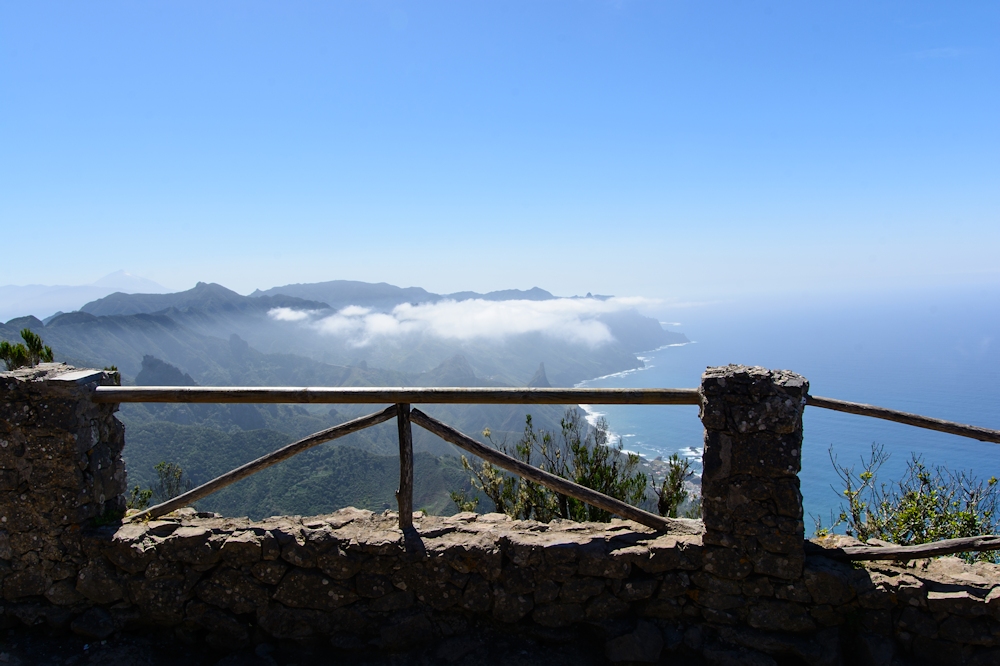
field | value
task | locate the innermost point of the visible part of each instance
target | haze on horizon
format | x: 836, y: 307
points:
x: 676, y: 151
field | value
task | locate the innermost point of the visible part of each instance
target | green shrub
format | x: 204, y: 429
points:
x: 578, y: 453
x: 31, y: 352
x: 927, y: 504
x: 138, y: 498
x: 672, y: 491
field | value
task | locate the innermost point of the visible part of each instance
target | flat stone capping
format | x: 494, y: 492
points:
x: 79, y: 376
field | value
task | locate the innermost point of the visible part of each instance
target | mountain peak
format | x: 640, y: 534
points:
x: 540, y: 380
x: 455, y: 371
x: 160, y: 373
x: 130, y: 284
x: 203, y: 294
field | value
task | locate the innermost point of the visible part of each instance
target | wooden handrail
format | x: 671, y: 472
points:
x: 494, y: 396
x: 550, y: 481
x: 264, y: 462
x: 950, y: 427
x: 402, y: 397
x: 382, y: 395
x: 916, y: 552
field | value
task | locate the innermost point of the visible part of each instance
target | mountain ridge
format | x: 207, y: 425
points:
x: 211, y: 335
x: 193, y: 329
x: 341, y: 293
x: 202, y: 295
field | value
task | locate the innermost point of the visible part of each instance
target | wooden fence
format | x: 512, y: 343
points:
x: 401, y: 399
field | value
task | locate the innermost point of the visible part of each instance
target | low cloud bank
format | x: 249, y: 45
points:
x: 574, y: 320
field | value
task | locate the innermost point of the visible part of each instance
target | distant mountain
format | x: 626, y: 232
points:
x: 211, y: 335
x: 130, y: 284
x: 215, y: 311
x: 637, y: 332
x: 341, y: 293
x: 191, y: 329
x: 44, y: 300
x: 204, y: 296
x: 540, y: 380
x: 533, y: 294
x: 160, y: 373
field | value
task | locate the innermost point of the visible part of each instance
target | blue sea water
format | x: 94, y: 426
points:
x: 933, y: 353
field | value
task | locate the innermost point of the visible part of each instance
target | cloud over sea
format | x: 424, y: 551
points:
x: 574, y: 320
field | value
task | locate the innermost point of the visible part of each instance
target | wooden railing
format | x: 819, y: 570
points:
x: 401, y: 399
x: 404, y: 415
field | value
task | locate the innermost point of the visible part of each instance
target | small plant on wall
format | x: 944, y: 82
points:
x: 29, y: 353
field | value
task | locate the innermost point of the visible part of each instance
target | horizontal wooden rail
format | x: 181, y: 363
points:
x: 973, y: 432
x: 495, y: 396
x: 264, y: 462
x: 532, y: 473
x: 946, y: 547
x: 381, y: 395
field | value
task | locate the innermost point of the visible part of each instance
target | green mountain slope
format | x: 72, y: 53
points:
x: 318, y: 481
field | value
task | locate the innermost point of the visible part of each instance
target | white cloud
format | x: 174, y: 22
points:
x: 288, y: 314
x: 571, y: 319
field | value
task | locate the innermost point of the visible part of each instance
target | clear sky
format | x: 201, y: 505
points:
x: 677, y: 150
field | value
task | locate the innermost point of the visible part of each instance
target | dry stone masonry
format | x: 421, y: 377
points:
x: 742, y: 587
x: 750, y: 483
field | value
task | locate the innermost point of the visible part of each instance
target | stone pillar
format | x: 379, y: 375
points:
x: 751, y: 502
x: 60, y: 467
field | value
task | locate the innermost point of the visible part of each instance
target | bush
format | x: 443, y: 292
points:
x: 138, y: 498
x: 578, y: 453
x: 927, y: 504
x: 672, y: 491
x: 170, y: 481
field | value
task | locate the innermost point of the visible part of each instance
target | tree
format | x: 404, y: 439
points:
x: 170, y: 481
x: 28, y: 353
x: 927, y: 504
x: 580, y: 453
x: 672, y: 491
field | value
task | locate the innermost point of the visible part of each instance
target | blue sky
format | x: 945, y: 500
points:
x: 676, y: 150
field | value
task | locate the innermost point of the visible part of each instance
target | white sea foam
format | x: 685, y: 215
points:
x: 592, y: 416
x: 625, y: 373
x: 646, y: 438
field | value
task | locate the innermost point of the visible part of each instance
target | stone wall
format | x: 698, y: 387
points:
x: 738, y: 588
x: 60, y: 468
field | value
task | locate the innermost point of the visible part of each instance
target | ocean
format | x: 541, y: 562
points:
x: 935, y: 353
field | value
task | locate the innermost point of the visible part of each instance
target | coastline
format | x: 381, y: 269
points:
x: 635, y: 430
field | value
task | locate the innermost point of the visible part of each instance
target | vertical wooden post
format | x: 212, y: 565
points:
x: 404, y: 496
